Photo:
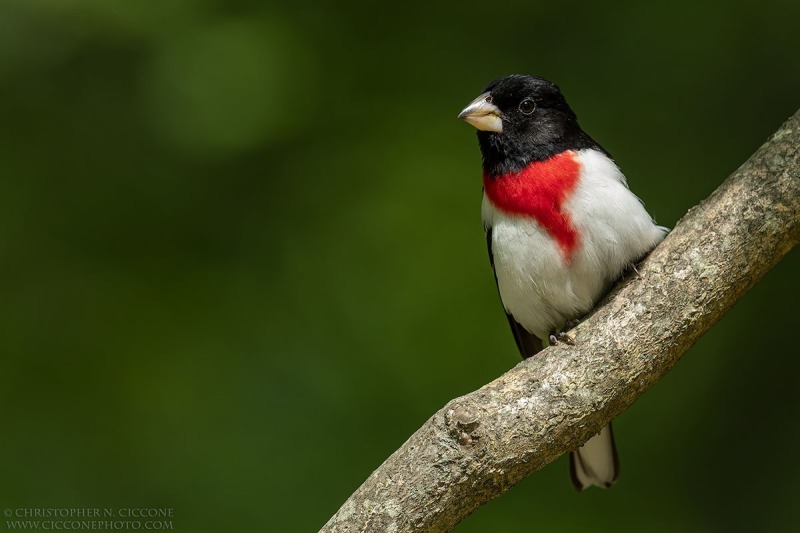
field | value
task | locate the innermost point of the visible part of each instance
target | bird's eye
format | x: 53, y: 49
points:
x: 527, y: 106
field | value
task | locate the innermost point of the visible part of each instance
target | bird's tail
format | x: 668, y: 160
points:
x: 595, y: 463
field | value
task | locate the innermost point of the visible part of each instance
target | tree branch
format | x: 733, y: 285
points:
x: 481, y: 444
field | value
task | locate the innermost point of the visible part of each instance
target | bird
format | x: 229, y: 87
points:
x: 561, y: 226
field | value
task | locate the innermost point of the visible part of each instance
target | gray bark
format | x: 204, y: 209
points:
x: 481, y: 444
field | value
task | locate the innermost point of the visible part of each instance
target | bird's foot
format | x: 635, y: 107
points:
x: 631, y: 269
x: 561, y: 336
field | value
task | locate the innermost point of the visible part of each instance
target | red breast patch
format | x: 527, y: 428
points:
x: 539, y: 191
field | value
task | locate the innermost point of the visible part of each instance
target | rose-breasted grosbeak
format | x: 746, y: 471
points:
x: 561, y: 225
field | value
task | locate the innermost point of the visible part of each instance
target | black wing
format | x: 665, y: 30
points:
x: 527, y: 343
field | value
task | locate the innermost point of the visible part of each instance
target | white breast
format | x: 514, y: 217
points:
x: 542, y: 289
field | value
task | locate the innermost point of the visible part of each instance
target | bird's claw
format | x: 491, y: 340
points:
x: 561, y: 336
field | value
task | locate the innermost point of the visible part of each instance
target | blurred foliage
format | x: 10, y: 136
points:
x: 243, y: 258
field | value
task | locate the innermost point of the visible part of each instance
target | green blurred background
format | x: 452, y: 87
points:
x: 243, y: 259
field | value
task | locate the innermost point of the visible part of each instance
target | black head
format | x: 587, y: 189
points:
x: 521, y: 119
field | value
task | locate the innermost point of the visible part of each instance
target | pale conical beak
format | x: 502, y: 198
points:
x: 483, y: 114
